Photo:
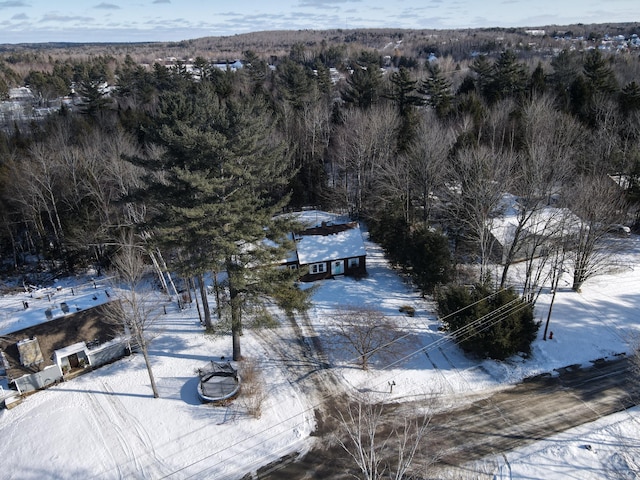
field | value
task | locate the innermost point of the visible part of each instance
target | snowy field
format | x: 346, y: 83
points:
x: 106, y: 425
x: 601, y: 322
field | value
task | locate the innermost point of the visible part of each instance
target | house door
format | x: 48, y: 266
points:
x: 337, y: 267
x: 73, y: 361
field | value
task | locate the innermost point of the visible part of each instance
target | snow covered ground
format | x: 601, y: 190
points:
x: 106, y: 424
x: 600, y: 322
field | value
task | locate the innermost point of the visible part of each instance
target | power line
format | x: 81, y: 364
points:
x: 483, y: 323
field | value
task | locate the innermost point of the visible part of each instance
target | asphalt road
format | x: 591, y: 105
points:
x: 533, y: 410
x: 513, y: 417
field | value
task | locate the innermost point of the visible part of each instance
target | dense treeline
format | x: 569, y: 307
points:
x: 198, y: 161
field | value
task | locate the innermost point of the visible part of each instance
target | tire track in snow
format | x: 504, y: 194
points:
x: 113, y: 438
x: 434, y: 341
x: 141, y: 433
x: 94, y: 407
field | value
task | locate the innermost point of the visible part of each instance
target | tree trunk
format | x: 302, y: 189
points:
x: 192, y: 285
x: 205, y: 303
x: 156, y: 265
x: 577, y: 282
x: 143, y: 347
x: 216, y: 289
x: 164, y: 265
x: 515, y: 244
x: 236, y: 324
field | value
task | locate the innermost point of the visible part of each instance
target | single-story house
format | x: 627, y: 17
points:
x: 543, y: 227
x: 43, y: 354
x: 328, y: 250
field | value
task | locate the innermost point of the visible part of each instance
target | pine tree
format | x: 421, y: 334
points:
x: 565, y: 70
x: 364, y: 86
x: 430, y: 259
x: 215, y: 191
x: 295, y: 83
x: 484, y: 74
x: 403, y: 93
x: 599, y: 75
x: 538, y: 82
x: 257, y: 70
x: 630, y: 98
x: 488, y: 323
x: 509, y: 78
x: 93, y: 96
x: 437, y: 88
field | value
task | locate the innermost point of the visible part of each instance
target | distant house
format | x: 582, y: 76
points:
x: 328, y: 250
x: 59, y: 349
x: 544, y: 226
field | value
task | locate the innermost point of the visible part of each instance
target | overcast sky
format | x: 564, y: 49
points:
x: 173, y: 20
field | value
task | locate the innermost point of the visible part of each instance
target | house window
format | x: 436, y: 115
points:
x: 315, y: 268
x: 293, y: 267
x: 354, y: 262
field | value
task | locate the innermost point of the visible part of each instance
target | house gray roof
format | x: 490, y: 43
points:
x: 84, y: 326
x: 321, y: 245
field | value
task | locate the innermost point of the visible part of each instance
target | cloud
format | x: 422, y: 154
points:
x: 107, y: 6
x: 54, y: 17
x: 15, y: 3
x: 20, y: 16
x: 324, y: 3
x: 161, y: 1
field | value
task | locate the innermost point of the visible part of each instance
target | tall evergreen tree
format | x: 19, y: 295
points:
x: 599, y: 75
x: 257, y: 70
x: 403, y: 93
x: 483, y: 74
x: 509, y: 77
x: 215, y: 190
x: 629, y: 99
x: 437, y: 88
x: 566, y: 67
x: 295, y: 83
x: 363, y: 86
x: 93, y: 96
x: 538, y: 82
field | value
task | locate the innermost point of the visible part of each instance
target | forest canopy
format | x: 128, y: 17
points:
x: 429, y: 137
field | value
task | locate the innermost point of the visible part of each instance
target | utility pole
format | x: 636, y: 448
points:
x: 557, y: 273
x: 553, y: 297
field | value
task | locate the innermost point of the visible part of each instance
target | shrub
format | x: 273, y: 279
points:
x: 430, y: 259
x: 488, y: 323
x: 423, y: 252
x: 408, y: 309
x: 252, y: 394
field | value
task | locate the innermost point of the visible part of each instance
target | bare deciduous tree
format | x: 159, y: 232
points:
x: 428, y: 156
x: 366, y: 332
x: 365, y: 142
x: 133, y: 307
x: 550, y: 143
x: 599, y: 203
x: 544, y: 255
x: 479, y: 181
x: 384, y: 451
